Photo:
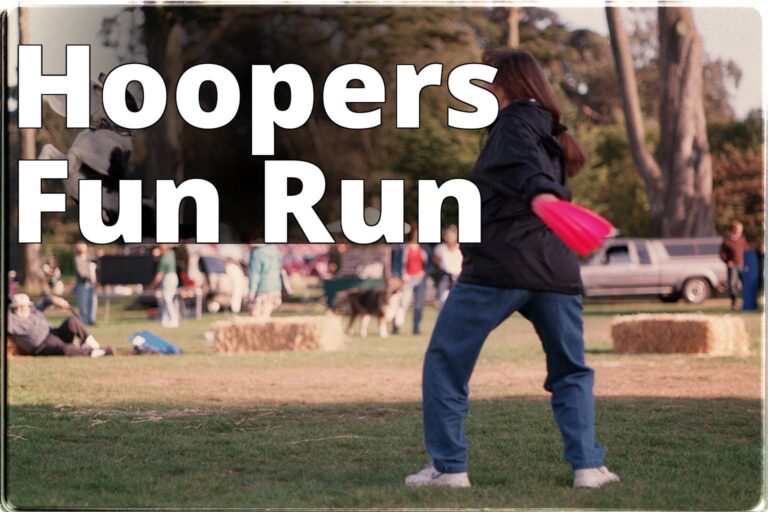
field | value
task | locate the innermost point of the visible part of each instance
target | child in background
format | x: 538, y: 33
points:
x: 53, y: 276
x: 448, y: 258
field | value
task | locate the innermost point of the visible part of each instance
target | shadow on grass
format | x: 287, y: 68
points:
x: 599, y: 351
x: 670, y: 453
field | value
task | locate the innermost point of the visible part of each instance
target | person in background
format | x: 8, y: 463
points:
x: 168, y: 280
x: 447, y: 258
x: 34, y: 335
x: 414, y: 276
x: 732, y: 253
x: 396, y: 261
x: 335, y: 255
x: 265, y: 284
x: 85, y: 283
x: 53, y: 275
x: 233, y: 255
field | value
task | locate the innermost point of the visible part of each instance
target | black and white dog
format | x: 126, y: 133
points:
x: 382, y: 303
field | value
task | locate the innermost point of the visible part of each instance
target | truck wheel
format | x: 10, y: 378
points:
x: 670, y: 297
x: 696, y: 290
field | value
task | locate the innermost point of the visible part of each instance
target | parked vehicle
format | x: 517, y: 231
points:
x: 672, y: 268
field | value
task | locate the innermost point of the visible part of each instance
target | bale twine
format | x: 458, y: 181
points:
x: 243, y: 334
x: 680, y: 333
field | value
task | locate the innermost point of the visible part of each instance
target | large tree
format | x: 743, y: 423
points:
x: 34, y: 279
x: 679, y: 179
x: 513, y: 22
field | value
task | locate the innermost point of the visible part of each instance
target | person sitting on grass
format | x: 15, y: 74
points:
x: 34, y: 335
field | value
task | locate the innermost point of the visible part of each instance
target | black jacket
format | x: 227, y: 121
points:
x: 521, y: 159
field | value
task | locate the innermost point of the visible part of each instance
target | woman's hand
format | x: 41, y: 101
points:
x: 540, y: 199
x: 545, y: 197
x: 156, y: 281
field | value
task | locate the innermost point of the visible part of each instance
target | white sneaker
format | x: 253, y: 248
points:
x: 430, y: 477
x: 91, y: 342
x: 99, y: 352
x: 591, y: 478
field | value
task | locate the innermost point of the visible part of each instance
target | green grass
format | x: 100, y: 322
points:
x: 81, y: 436
x: 671, y: 454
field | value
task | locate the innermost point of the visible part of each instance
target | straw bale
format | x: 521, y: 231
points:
x: 680, y: 333
x: 244, y: 334
x: 12, y: 349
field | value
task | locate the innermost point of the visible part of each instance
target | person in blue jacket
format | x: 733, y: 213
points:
x: 519, y: 265
x: 265, y: 283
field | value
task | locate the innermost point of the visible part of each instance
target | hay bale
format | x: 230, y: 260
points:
x: 243, y: 334
x: 12, y: 349
x: 680, y: 333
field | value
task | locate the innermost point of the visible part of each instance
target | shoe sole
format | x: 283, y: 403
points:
x: 446, y: 486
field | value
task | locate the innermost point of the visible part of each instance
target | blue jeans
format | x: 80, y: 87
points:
x: 86, y: 302
x: 470, y: 313
x: 414, y: 291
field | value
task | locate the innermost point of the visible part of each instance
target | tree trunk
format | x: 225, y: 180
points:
x: 679, y: 181
x: 633, y: 119
x: 684, y: 149
x: 33, y: 277
x: 174, y: 67
x: 165, y: 52
x: 163, y: 159
x: 513, y: 24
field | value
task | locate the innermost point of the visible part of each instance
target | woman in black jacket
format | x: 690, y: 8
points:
x: 520, y: 265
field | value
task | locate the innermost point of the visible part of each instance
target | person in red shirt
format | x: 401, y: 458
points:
x: 732, y: 253
x: 414, y: 281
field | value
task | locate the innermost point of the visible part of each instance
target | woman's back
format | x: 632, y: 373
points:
x: 520, y: 160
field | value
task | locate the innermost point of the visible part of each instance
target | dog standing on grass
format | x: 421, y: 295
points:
x: 382, y: 303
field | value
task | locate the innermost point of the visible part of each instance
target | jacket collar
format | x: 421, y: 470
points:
x: 531, y: 111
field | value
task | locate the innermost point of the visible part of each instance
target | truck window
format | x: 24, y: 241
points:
x: 680, y: 249
x: 616, y: 254
x: 642, y: 253
x: 709, y: 249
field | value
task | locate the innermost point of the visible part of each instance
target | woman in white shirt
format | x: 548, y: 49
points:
x: 448, y: 259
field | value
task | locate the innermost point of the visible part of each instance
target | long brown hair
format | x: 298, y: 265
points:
x: 521, y: 77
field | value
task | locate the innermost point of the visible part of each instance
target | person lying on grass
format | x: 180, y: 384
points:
x: 34, y: 335
x: 520, y: 265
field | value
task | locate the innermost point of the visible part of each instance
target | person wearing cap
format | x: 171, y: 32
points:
x: 35, y: 336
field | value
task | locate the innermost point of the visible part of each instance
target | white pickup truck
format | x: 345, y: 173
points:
x: 672, y: 268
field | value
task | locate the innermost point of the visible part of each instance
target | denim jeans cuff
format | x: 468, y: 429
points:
x: 587, y: 464
x: 450, y: 468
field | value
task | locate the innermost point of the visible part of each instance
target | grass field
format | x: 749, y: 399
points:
x: 342, y: 429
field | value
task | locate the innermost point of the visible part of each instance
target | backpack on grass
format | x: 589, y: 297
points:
x: 145, y: 342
